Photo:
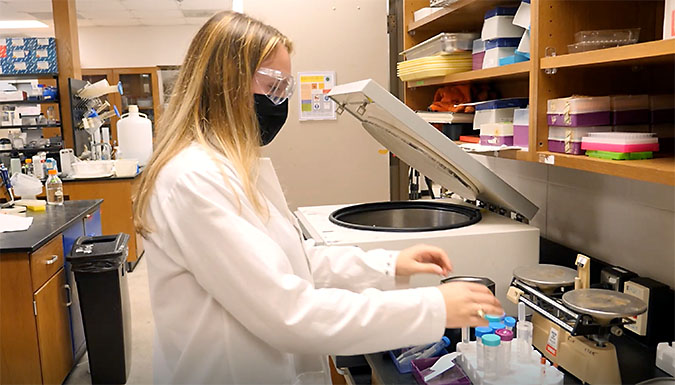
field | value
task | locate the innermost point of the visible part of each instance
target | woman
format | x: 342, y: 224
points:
x: 237, y: 296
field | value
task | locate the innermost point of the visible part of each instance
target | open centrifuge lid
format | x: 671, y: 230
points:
x: 424, y: 148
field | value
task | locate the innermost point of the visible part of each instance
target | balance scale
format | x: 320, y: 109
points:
x: 572, y: 322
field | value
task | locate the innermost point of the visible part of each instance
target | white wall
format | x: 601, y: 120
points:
x: 142, y: 46
x: 621, y: 221
x: 330, y: 162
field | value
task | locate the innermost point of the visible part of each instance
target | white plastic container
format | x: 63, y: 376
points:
x: 491, y: 350
x: 499, y: 24
x: 126, y: 167
x: 522, y: 17
x: 134, y: 134
x: 498, y: 49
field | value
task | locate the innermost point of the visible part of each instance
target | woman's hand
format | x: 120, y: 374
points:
x: 423, y: 259
x: 463, y: 300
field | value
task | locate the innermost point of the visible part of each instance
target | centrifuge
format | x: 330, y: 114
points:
x: 483, y: 228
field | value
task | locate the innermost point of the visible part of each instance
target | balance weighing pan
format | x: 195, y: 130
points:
x: 546, y: 277
x: 603, y: 305
x: 423, y: 147
x: 405, y: 216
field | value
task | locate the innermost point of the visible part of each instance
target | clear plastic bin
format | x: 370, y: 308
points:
x: 441, y: 44
x: 579, y: 111
x: 662, y: 108
x: 630, y: 109
x: 591, y: 40
x: 567, y: 140
x: 478, y: 54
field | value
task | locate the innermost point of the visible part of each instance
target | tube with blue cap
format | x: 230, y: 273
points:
x: 436, y: 348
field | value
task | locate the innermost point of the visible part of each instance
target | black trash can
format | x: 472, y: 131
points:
x: 99, y: 267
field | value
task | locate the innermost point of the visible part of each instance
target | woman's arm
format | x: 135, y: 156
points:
x: 237, y: 263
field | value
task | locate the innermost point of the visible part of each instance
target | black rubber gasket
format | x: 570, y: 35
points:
x: 472, y: 215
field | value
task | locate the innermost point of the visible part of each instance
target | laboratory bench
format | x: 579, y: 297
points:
x: 636, y: 360
x: 41, y: 334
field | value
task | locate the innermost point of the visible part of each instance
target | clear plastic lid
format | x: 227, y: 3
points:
x: 625, y: 36
x: 496, y: 129
x: 629, y: 102
x: 478, y: 46
x: 443, y: 43
x: 578, y: 105
x: 574, y: 134
x: 621, y: 137
x: 521, y: 117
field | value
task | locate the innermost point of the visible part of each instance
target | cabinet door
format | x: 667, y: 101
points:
x: 141, y: 88
x: 92, y: 224
x: 53, y: 325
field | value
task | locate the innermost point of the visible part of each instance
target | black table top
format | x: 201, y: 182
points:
x: 46, y: 225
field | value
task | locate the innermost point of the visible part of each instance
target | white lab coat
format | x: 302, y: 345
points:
x: 242, y: 300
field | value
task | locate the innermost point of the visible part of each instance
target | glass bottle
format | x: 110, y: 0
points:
x: 54, y: 189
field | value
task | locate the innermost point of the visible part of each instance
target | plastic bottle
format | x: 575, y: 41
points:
x: 134, y: 135
x: 29, y: 166
x: 480, y: 332
x: 497, y: 326
x: 54, y: 188
x: 505, y: 353
x: 510, y: 323
x: 491, y: 350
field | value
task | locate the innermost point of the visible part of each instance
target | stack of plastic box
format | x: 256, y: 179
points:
x: 620, y: 145
x: 572, y: 118
x: 28, y: 55
x: 443, y: 54
x: 494, y: 119
x: 501, y: 37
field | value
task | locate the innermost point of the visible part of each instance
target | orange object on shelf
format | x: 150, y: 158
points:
x: 469, y: 139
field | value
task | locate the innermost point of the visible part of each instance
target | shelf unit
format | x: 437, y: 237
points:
x: 643, y: 68
x: 31, y: 126
x: 23, y: 102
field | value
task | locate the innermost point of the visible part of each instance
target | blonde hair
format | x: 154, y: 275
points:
x: 212, y: 104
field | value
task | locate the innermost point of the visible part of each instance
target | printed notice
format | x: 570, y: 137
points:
x: 314, y: 101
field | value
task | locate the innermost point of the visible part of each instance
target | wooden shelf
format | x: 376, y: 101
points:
x: 653, y: 52
x: 31, y: 126
x: 511, y: 71
x: 18, y: 102
x: 658, y: 170
x: 463, y: 15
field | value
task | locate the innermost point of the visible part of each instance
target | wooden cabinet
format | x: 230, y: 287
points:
x: 35, y: 343
x: 141, y: 87
x: 51, y: 305
x: 116, y: 210
x: 642, y: 68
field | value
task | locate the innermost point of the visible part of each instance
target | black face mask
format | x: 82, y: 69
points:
x: 271, y: 117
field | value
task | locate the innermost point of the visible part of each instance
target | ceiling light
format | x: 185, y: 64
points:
x: 17, y: 24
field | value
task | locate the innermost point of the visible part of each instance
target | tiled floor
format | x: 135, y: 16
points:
x: 142, y: 329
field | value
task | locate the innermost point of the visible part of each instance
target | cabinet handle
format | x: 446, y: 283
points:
x: 52, y: 260
x: 70, y: 295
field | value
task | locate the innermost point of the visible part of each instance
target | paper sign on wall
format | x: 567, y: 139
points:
x: 314, y: 101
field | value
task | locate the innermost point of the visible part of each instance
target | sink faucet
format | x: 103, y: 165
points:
x: 103, y: 145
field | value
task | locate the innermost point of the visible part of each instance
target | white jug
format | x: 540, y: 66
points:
x: 134, y: 134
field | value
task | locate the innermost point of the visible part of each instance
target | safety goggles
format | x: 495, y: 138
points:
x: 277, y: 86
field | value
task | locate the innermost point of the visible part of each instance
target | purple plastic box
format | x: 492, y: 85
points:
x: 491, y: 140
x: 630, y: 117
x: 600, y: 118
x: 521, y: 136
x: 559, y: 146
x: 477, y: 60
x: 453, y: 376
